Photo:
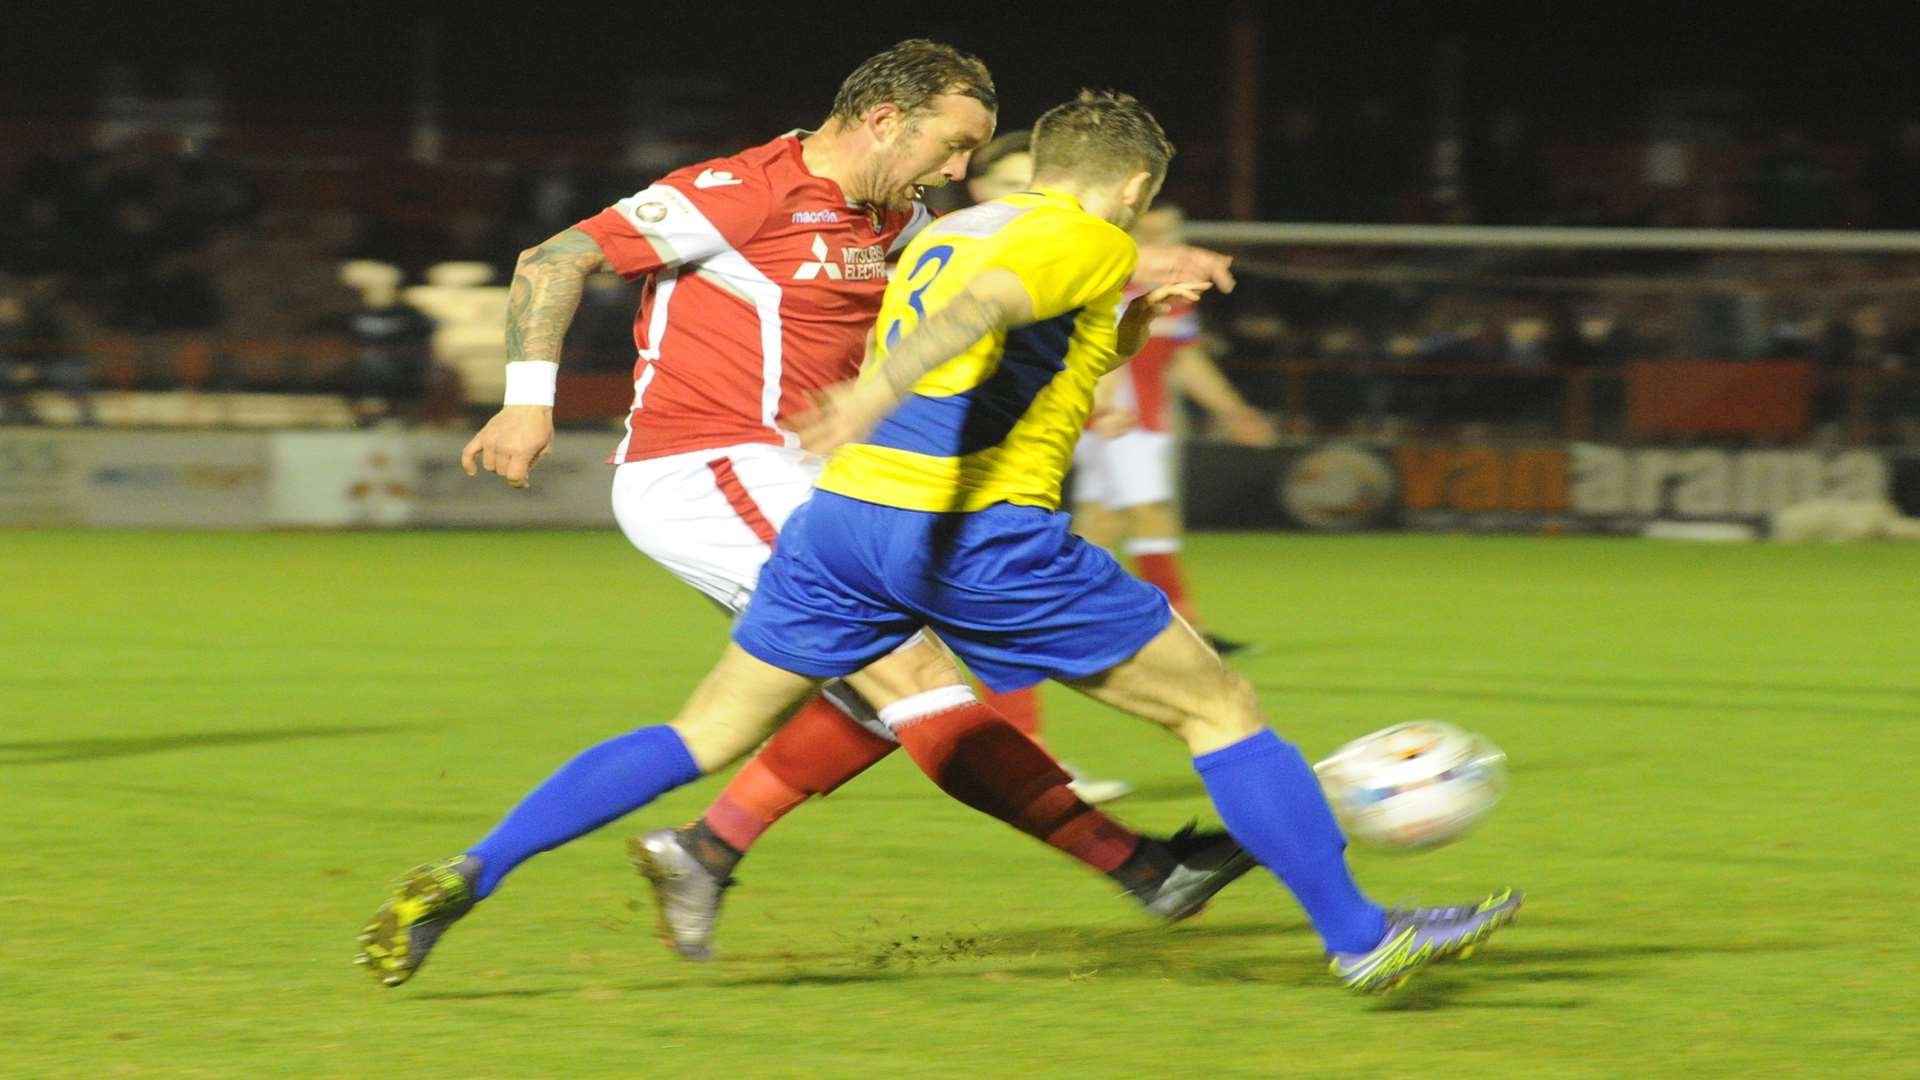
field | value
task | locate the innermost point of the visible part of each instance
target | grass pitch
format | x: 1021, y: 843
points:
x: 216, y: 751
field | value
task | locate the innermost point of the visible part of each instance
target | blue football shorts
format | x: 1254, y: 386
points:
x: 1011, y: 590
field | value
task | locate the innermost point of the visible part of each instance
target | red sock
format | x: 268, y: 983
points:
x: 1161, y: 569
x: 1021, y: 708
x: 816, y: 751
x: 979, y: 758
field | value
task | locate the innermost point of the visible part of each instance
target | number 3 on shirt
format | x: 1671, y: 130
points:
x: 932, y: 261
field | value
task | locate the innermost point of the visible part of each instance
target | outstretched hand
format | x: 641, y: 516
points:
x: 1137, y: 324
x: 1250, y: 427
x: 1163, y: 263
x: 1162, y: 299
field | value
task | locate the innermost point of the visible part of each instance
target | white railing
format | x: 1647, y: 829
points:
x: 1504, y: 236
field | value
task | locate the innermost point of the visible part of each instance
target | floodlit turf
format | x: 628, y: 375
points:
x: 215, y: 752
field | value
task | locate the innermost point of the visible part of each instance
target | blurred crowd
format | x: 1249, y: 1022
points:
x: 160, y: 238
x: 1440, y: 339
x: 160, y: 241
x: 1370, y: 163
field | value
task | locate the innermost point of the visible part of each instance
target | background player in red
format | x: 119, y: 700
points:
x: 761, y: 277
x: 1001, y: 167
x: 1123, y: 489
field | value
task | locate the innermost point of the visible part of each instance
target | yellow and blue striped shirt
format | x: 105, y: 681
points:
x: 997, y: 423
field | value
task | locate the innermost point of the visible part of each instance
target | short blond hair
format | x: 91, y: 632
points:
x: 1100, y: 133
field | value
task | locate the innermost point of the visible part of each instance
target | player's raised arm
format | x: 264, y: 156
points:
x: 994, y: 300
x: 547, y: 283
x: 1164, y: 264
x: 1166, y: 257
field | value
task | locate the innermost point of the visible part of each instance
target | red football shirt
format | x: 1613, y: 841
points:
x: 761, y: 282
x: 1143, y: 385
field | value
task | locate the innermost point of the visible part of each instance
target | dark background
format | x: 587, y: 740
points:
x: 1578, y: 68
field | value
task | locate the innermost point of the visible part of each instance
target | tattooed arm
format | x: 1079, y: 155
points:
x: 547, y: 283
x: 993, y: 301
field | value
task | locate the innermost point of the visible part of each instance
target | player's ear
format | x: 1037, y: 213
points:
x: 1137, y: 191
x: 885, y: 121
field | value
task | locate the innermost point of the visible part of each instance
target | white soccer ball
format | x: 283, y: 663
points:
x: 1413, y: 785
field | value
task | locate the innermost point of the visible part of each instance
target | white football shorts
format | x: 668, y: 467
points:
x: 710, y: 516
x: 1131, y: 469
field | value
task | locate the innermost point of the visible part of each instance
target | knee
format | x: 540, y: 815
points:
x: 914, y: 670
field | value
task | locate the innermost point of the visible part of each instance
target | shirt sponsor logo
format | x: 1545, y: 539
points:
x: 816, y: 217
x: 819, y: 264
x: 864, y: 263
x: 867, y: 263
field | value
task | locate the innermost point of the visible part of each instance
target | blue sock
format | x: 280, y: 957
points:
x: 604, y: 782
x: 1271, y: 802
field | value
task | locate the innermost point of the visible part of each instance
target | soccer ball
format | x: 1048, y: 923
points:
x: 1413, y: 785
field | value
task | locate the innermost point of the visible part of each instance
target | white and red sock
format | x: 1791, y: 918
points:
x: 1157, y: 562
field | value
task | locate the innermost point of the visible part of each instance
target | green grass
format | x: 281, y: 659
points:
x: 215, y: 752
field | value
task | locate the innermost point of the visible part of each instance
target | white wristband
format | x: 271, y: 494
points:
x: 530, y: 382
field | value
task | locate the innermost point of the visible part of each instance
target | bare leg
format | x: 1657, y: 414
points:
x: 1152, y: 521
x: 1179, y: 683
x: 740, y: 702
x: 1264, y: 789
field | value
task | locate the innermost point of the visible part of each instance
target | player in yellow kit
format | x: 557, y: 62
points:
x: 940, y: 509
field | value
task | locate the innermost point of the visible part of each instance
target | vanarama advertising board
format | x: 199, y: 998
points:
x: 1589, y: 487
x: 411, y: 479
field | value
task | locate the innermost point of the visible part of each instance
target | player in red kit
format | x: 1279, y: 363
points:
x: 761, y: 276
x: 815, y: 744
x: 1123, y: 488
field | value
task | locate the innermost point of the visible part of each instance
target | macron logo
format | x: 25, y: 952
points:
x: 709, y: 178
x: 810, y: 270
x: 816, y: 217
